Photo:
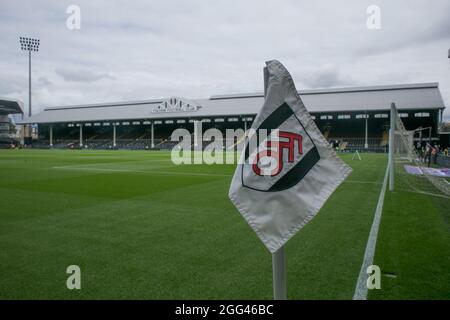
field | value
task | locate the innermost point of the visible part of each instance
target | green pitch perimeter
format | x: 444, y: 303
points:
x: 140, y: 227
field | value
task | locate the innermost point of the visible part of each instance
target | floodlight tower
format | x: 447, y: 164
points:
x: 29, y: 44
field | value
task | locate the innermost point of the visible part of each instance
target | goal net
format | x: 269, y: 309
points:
x: 418, y: 164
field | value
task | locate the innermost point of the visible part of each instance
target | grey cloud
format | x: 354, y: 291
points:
x: 44, y: 82
x: 9, y: 87
x: 82, y: 75
x: 430, y: 28
x: 325, y: 77
x: 146, y: 49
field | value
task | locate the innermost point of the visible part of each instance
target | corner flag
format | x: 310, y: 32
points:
x: 281, y: 185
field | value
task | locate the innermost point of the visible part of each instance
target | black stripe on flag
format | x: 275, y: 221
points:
x: 296, y: 174
x: 273, y: 121
x: 299, y: 171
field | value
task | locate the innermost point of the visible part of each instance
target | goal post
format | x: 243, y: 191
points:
x: 391, y: 146
x: 415, y: 161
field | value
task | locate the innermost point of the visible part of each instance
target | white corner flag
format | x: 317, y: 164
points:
x: 281, y: 183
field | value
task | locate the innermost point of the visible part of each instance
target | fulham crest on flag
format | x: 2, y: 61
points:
x: 287, y: 169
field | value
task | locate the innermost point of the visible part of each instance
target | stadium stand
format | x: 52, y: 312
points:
x: 351, y: 118
x: 8, y: 138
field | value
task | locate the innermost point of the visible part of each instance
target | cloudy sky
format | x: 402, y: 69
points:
x: 131, y: 50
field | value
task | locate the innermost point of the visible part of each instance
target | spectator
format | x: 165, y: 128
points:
x: 434, y: 152
x: 427, y: 157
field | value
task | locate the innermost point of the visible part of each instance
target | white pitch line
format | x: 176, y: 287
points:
x: 142, y: 171
x: 361, y: 285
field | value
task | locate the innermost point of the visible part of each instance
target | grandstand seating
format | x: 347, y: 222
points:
x: 345, y: 134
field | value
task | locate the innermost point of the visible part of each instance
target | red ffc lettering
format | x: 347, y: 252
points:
x: 277, y: 154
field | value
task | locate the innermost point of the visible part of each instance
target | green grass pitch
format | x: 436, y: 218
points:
x: 140, y: 227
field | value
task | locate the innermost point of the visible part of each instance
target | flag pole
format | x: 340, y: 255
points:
x: 279, y: 275
x: 278, y: 257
